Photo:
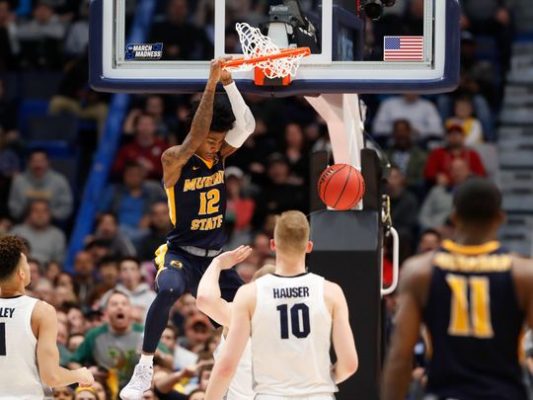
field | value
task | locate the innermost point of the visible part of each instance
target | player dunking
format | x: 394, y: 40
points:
x: 292, y: 317
x: 473, y: 298
x: 29, y: 356
x: 193, y: 175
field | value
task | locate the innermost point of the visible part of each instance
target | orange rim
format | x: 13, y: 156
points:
x: 285, y: 53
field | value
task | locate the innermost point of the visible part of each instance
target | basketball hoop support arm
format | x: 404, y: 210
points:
x: 343, y: 117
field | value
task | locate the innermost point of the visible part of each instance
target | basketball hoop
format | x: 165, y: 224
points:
x: 262, y: 53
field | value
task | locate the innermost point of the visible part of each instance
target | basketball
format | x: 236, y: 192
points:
x: 341, y: 187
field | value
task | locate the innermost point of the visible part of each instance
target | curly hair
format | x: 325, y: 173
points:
x: 223, y: 117
x: 11, y: 248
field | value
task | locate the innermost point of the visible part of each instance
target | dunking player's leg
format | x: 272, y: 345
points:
x: 170, y: 284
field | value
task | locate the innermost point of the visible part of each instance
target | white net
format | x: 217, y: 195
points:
x: 254, y: 44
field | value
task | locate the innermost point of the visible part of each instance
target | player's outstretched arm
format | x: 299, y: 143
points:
x: 175, y: 157
x: 342, y: 335
x: 209, y: 298
x: 45, y: 318
x: 244, y: 124
x: 398, y: 367
x: 239, y: 333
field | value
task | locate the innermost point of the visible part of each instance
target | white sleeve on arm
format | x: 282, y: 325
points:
x: 244, y: 120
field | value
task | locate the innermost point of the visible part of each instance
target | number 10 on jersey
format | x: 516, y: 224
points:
x: 299, y: 320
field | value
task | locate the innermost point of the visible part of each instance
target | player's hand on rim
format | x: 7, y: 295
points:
x: 230, y: 258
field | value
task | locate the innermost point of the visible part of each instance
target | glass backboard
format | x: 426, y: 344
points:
x: 166, y: 45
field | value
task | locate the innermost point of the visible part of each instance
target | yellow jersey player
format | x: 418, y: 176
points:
x: 193, y: 176
x: 474, y: 299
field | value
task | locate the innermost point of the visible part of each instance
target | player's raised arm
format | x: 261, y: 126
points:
x: 175, y: 157
x: 45, y: 318
x: 244, y: 124
x: 399, y: 364
x: 209, y: 298
x: 342, y: 335
x: 225, y: 366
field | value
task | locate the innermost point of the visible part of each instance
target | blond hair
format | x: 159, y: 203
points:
x: 291, y: 232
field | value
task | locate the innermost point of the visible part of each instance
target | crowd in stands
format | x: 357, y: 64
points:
x: 432, y: 144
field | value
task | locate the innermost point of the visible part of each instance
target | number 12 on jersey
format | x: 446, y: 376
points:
x: 300, y: 327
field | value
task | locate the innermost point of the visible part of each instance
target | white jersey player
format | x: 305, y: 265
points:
x: 210, y: 301
x: 29, y: 358
x: 292, y: 317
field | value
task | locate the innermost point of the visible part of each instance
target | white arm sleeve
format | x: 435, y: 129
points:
x: 244, y: 120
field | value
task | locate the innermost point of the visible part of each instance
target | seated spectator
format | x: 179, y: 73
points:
x: 463, y: 117
x: 84, y: 279
x: 107, y: 229
x: 439, y: 163
x: 296, y: 152
x: 240, y: 209
x: 108, y: 274
x: 438, y: 204
x: 131, y: 284
x: 41, y: 37
x: 159, y: 226
x: 490, y: 17
x: 77, y: 40
x: 75, y: 97
x: 146, y: 149
x: 404, y: 211
x: 46, y: 241
x: 406, y: 155
x: 280, y: 192
x: 40, y: 182
x: 430, y: 240
x: 197, y: 330
x: 421, y: 114
x: 183, y: 41
x: 154, y: 105
x: 183, y: 309
x: 115, y: 344
x: 63, y: 393
x: 9, y: 46
x: 182, y: 358
x: 131, y: 200
x: 85, y: 393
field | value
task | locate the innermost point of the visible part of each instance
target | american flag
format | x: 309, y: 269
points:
x: 403, y: 48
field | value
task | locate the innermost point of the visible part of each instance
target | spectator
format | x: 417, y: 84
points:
x: 404, y: 211
x: 146, y: 149
x: 280, y: 193
x: 76, y: 98
x: 77, y: 40
x: 463, y: 116
x: 240, y: 209
x: 131, y: 200
x: 296, y: 152
x: 84, y: 282
x: 430, y: 240
x: 198, y: 329
x: 438, y: 166
x: 107, y: 230
x: 85, y: 393
x: 183, y: 41
x: 8, y: 37
x: 182, y: 358
x: 438, y: 204
x: 63, y: 393
x: 139, y: 293
x: 421, y: 113
x: 40, y: 182
x: 114, y: 345
x: 155, y: 106
x: 41, y: 37
x: 183, y: 309
x: 108, y: 275
x: 406, y: 155
x: 159, y: 226
x: 46, y: 241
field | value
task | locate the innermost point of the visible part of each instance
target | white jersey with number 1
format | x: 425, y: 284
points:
x: 291, y: 338
x: 19, y: 375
